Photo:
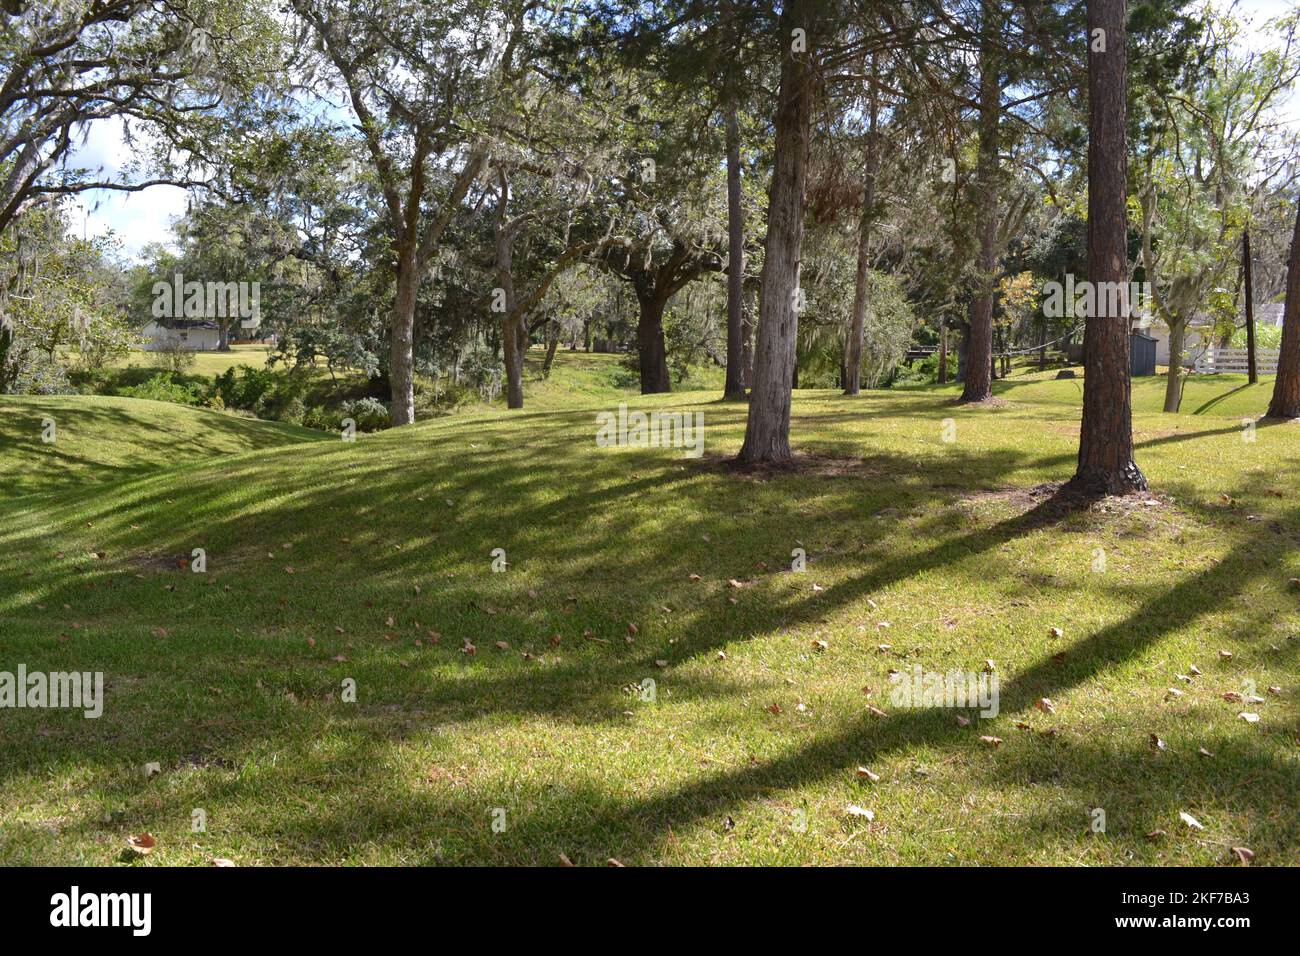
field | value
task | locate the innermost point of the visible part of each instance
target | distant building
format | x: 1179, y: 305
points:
x: 197, y: 335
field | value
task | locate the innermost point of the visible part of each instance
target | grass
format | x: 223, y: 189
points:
x: 371, y: 562
x: 205, y: 363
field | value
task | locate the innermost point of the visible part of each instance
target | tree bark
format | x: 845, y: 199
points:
x: 734, y: 387
x: 650, y: 346
x: 1286, y: 389
x: 767, y: 430
x: 552, y: 342
x: 853, y: 359
x: 1174, y: 380
x: 1106, y: 463
x: 979, y: 361
x: 943, y: 352
x: 747, y: 337
x: 401, y: 362
x: 1247, y: 278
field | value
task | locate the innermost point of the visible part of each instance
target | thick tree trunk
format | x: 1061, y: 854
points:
x: 514, y: 342
x: 401, y: 372
x: 979, y: 360
x: 767, y: 431
x: 734, y: 387
x: 650, y: 346
x: 1286, y: 389
x: 1106, y: 463
x: 1174, y: 381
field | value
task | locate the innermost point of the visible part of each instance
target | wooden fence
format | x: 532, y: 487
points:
x: 1213, y: 361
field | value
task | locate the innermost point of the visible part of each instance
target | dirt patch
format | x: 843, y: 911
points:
x: 1048, y: 503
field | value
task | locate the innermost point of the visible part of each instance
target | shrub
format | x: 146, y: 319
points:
x: 162, y: 388
x: 370, y: 414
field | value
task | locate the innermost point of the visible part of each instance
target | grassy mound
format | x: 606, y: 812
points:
x: 648, y: 679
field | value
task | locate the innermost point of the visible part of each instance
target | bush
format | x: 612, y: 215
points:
x: 162, y: 388
x: 370, y: 414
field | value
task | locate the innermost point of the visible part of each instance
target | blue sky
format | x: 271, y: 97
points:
x: 138, y: 219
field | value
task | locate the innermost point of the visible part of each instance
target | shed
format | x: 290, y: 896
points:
x: 1142, y: 354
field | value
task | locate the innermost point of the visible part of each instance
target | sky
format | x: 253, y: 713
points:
x: 141, y: 218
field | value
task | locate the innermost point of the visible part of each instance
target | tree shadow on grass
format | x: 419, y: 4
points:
x: 496, y: 491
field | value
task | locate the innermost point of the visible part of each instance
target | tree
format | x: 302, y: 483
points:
x: 1106, y: 463
x: 421, y: 100
x: 767, y: 429
x: 1286, y: 388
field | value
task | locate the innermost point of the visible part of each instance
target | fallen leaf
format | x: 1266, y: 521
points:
x: 222, y: 861
x: 1190, y: 820
x: 868, y: 775
x: 1045, y: 705
x: 1244, y: 854
x: 142, y: 843
x: 1248, y: 717
x: 991, y: 741
x: 854, y: 810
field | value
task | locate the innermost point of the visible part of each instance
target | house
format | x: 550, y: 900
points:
x: 198, y: 335
x: 1195, y: 339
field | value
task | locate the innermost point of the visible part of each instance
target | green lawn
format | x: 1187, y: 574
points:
x: 371, y: 561
x: 206, y: 363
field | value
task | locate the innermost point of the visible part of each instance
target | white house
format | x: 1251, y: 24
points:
x: 198, y: 335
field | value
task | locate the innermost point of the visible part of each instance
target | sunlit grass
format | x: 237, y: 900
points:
x: 320, y: 550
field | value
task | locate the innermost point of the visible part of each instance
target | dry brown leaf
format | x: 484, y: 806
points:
x: 142, y: 843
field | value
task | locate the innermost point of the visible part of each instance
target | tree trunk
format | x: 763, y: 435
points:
x: 650, y: 346
x: 963, y: 350
x: 735, y: 381
x: 1173, y: 383
x: 747, y: 338
x: 1252, y: 364
x: 552, y: 342
x: 514, y: 341
x: 767, y: 430
x: 943, y: 352
x: 401, y: 372
x: 1106, y: 464
x: 1286, y: 389
x: 853, y: 359
x: 979, y: 361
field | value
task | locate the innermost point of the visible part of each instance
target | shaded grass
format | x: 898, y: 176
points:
x: 217, y: 677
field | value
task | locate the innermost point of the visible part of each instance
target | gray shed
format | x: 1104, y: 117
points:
x: 1142, y: 354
